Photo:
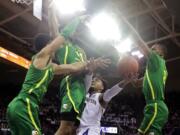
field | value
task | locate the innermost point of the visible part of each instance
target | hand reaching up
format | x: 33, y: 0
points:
x: 98, y: 63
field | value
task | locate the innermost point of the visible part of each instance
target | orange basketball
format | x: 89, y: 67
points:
x: 126, y: 65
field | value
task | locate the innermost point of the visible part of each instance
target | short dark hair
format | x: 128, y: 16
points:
x: 105, y: 84
x: 163, y: 48
x: 41, y: 40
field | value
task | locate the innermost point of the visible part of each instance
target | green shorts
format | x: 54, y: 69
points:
x: 22, y: 116
x: 72, y: 98
x: 72, y: 89
x: 155, y: 117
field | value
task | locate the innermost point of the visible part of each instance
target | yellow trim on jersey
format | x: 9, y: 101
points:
x: 69, y: 95
x: 164, y: 76
x: 67, y: 83
x: 139, y: 130
x: 78, y: 118
x: 38, y: 84
x: 66, y: 54
x: 164, y: 81
x: 78, y: 59
x: 150, y: 85
x: 152, y: 120
x: 30, y: 114
x: 80, y: 55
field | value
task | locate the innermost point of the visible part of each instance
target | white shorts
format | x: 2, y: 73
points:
x: 88, y: 131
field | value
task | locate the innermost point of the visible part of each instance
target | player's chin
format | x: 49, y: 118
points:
x: 92, y: 86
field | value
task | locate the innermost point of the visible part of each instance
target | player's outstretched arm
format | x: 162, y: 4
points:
x: 52, y: 47
x: 80, y: 66
x: 144, y: 48
x: 42, y: 58
x: 52, y: 19
x: 106, y: 97
x: 142, y: 45
x: 70, y: 68
x: 137, y: 83
x: 98, y: 63
x: 72, y: 26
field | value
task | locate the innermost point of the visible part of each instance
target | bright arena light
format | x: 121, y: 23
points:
x: 124, y: 46
x: 104, y: 27
x: 69, y: 6
x: 137, y: 53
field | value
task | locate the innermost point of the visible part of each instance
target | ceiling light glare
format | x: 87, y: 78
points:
x: 69, y: 6
x: 124, y: 46
x: 104, y: 27
x: 137, y: 53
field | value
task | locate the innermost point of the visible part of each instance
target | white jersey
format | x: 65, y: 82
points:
x: 93, y: 111
x: 91, y: 116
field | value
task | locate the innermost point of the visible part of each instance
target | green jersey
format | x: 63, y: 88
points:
x: 71, y: 53
x: 155, y: 78
x: 36, y: 82
x: 72, y: 87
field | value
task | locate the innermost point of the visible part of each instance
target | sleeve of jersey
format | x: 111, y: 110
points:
x: 88, y: 81
x: 153, y: 61
x: 70, y: 28
x: 110, y: 93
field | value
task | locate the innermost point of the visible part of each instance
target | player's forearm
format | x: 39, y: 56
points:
x: 53, y: 22
x: 78, y: 67
x: 122, y: 84
x: 140, y: 42
x: 49, y: 49
x: 138, y: 83
x: 71, y: 27
x: 143, y: 46
x: 70, y: 68
x: 110, y: 93
x: 55, y: 44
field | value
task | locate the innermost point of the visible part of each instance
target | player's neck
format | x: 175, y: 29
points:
x: 91, y: 91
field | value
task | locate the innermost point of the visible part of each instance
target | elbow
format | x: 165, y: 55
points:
x: 61, y: 38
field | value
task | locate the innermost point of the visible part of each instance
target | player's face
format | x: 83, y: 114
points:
x: 97, y: 84
x: 158, y: 50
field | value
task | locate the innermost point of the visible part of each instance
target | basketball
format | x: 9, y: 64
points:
x: 126, y: 65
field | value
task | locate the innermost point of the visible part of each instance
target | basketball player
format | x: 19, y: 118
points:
x: 156, y: 111
x: 22, y: 112
x: 72, y: 86
x: 96, y: 102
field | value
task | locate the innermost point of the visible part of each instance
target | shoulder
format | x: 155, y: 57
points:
x: 154, y: 58
x: 154, y: 55
x: 97, y: 94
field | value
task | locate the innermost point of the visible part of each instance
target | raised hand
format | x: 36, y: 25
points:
x: 129, y: 78
x: 84, y: 18
x: 137, y: 82
x: 98, y: 63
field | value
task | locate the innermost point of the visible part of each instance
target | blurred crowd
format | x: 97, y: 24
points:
x: 124, y: 115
